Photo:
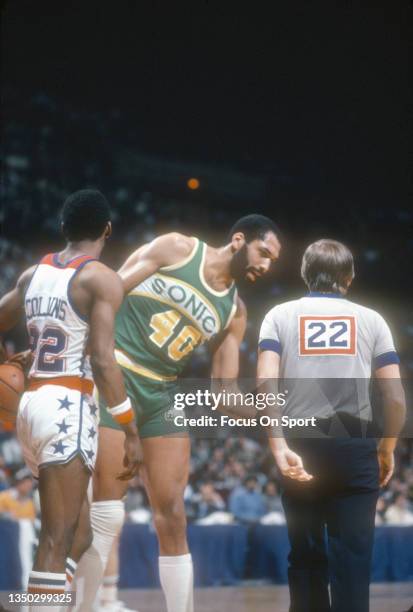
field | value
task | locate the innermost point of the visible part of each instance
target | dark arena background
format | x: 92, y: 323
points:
x: 188, y: 117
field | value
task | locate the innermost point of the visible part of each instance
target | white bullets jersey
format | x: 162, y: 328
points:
x: 324, y: 336
x: 58, y: 334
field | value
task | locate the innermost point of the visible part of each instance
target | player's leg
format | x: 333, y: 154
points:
x: 62, y: 490
x: 166, y: 461
x: 106, y: 516
x: 54, y: 426
x: 81, y: 542
x: 108, y: 600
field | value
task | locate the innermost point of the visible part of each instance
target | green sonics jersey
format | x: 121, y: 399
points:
x: 166, y: 316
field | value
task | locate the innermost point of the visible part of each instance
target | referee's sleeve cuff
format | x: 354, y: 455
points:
x: 270, y: 345
x: 386, y: 359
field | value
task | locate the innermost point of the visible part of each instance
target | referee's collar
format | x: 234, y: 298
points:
x: 324, y: 295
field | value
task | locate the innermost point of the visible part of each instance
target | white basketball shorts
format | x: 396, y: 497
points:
x: 54, y: 424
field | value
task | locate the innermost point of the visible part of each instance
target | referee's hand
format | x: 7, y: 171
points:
x: 291, y: 465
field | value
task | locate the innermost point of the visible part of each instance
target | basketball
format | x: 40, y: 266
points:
x: 11, y: 388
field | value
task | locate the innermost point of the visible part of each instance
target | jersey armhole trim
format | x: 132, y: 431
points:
x: 234, y: 309
x: 69, y: 286
x: 29, y: 283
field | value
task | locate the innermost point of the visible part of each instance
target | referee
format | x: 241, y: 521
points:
x: 326, y: 348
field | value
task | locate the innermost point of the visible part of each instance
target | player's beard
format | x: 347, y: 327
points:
x: 239, y: 264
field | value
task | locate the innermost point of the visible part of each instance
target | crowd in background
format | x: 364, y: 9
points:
x: 50, y: 150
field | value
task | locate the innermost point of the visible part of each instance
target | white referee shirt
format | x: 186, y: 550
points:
x: 325, y: 336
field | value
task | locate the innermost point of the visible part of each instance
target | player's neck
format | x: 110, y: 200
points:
x: 92, y: 248
x: 217, y: 269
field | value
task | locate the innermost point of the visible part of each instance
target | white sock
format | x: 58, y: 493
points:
x: 177, y: 581
x: 46, y: 583
x: 109, y: 589
x: 106, y: 518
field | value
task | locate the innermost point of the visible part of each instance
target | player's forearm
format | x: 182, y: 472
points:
x: 109, y: 381
x: 231, y: 397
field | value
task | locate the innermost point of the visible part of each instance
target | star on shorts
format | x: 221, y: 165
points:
x: 63, y: 427
x: 93, y: 409
x: 92, y: 432
x: 90, y: 454
x: 59, y: 447
x: 65, y: 403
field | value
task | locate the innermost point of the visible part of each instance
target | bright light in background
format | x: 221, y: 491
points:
x: 193, y: 183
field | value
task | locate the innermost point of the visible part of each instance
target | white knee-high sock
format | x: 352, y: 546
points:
x: 177, y: 581
x: 106, y: 518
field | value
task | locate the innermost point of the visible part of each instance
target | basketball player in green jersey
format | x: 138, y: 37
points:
x: 179, y: 293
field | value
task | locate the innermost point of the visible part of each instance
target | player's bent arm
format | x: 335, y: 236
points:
x: 163, y: 251
x: 225, y: 352
x: 106, y: 292
x: 394, y: 404
x: 12, y: 304
x: 225, y: 363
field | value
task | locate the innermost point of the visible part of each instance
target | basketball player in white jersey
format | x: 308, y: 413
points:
x: 69, y: 301
x: 326, y: 348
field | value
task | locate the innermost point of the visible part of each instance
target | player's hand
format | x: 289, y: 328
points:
x: 386, y: 465
x: 291, y: 465
x: 133, y: 458
x: 23, y: 359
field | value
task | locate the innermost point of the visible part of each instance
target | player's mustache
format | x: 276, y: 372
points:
x: 255, y: 271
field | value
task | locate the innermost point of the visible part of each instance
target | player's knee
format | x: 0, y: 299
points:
x: 169, y: 516
x: 56, y: 541
x: 107, y: 517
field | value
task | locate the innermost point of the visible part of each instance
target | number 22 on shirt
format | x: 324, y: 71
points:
x: 327, y: 335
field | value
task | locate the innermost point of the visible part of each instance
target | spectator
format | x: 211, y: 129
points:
x: 273, y: 505
x: 272, y: 499
x: 4, y: 481
x: 208, y: 501
x: 17, y: 502
x: 246, y: 503
x: 380, y: 511
x: 399, y: 512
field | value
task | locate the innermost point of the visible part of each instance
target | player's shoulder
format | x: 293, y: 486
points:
x: 181, y: 244
x: 173, y: 248
x: 25, y: 277
x: 97, y: 275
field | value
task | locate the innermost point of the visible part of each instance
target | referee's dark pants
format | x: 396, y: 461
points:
x: 330, y: 524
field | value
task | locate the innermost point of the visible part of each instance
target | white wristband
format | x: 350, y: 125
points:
x: 120, y: 408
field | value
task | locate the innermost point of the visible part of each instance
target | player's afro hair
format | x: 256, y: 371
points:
x: 254, y: 227
x: 85, y: 214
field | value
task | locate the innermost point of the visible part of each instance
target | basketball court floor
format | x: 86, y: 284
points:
x: 391, y: 597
